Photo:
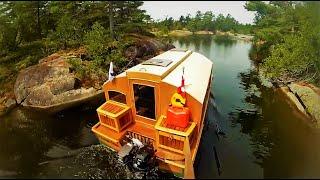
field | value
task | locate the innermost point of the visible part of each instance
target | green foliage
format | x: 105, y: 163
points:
x: 225, y: 24
x: 203, y: 22
x: 8, y: 36
x: 261, y: 8
x: 31, y: 30
x: 68, y: 32
x: 102, y: 48
x: 288, y: 37
x: 78, y: 67
x: 117, y: 57
x: 96, y: 41
x: 192, y: 25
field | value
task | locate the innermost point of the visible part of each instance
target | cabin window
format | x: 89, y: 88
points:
x: 144, y: 100
x: 117, y: 96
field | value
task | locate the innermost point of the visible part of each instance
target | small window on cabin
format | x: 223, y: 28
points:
x: 144, y: 100
x: 117, y: 96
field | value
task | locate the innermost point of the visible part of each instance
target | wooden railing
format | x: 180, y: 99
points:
x: 114, y: 115
x: 142, y: 138
x: 173, y: 138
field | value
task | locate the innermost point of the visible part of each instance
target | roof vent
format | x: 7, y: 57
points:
x: 157, y: 62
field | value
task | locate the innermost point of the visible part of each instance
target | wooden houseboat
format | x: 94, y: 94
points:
x: 140, y: 100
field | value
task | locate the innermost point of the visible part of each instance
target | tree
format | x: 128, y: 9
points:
x: 261, y: 8
x: 96, y: 41
x: 298, y: 55
x: 111, y: 19
x: 68, y: 32
x: 192, y: 25
x: 208, y: 19
x: 182, y: 21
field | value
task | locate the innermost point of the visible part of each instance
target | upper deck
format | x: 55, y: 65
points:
x: 159, y: 66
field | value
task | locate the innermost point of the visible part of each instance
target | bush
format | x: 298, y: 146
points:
x: 8, y: 38
x: 103, y: 49
x: 294, y: 58
x: 77, y: 67
x: 68, y: 32
x: 96, y: 40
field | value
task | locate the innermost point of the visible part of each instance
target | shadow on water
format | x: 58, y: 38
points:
x: 38, y: 145
x: 224, y: 40
x: 282, y: 142
x: 30, y: 138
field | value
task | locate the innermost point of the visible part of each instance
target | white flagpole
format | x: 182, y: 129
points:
x: 111, y: 73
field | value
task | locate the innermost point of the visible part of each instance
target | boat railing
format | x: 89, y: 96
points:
x: 140, y: 137
x: 174, y: 139
x: 114, y: 115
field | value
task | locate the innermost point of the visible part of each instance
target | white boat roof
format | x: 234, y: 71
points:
x: 197, y: 74
x: 175, y: 57
x: 197, y: 71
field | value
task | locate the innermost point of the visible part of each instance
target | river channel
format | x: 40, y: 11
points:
x: 264, y: 136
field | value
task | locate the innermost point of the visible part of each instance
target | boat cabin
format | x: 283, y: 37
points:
x: 139, y: 100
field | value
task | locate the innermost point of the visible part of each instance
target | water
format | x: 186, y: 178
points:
x: 265, y: 137
x: 30, y: 139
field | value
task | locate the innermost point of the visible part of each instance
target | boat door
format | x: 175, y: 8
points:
x: 144, y: 100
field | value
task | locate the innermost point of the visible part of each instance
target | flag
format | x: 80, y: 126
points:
x: 181, y: 88
x: 111, y: 73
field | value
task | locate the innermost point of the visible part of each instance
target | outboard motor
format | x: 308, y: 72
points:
x: 137, y: 156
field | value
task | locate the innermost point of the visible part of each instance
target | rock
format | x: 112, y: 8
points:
x: 60, y: 151
x: 293, y: 99
x: 10, y: 103
x: 49, y: 83
x: 263, y: 79
x: 7, y: 174
x: 144, y: 46
x: 2, y: 110
x: 2, y: 99
x: 178, y: 33
x: 254, y: 90
x: 49, y: 72
x: 309, y: 97
x: 6, y: 104
x: 204, y: 33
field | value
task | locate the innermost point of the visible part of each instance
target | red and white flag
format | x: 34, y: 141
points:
x: 181, y: 88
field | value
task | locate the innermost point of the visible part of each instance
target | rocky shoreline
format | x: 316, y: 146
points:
x: 304, y: 96
x: 51, y: 85
x: 6, y: 104
x: 183, y: 33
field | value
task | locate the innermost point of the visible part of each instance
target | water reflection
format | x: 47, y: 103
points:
x: 29, y: 138
x: 266, y: 136
x: 23, y: 142
x: 282, y: 142
x: 224, y: 40
x: 253, y: 119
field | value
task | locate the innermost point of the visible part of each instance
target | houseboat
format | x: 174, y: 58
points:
x: 160, y: 103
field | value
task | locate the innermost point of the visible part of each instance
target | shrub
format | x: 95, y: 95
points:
x: 68, y: 32
x: 96, y: 40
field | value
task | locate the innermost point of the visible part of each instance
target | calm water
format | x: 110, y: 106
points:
x: 265, y: 137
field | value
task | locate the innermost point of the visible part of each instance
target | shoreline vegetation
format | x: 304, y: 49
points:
x: 286, y: 50
x: 184, y: 33
x: 53, y: 50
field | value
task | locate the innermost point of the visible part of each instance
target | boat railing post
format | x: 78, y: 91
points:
x: 188, y: 170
